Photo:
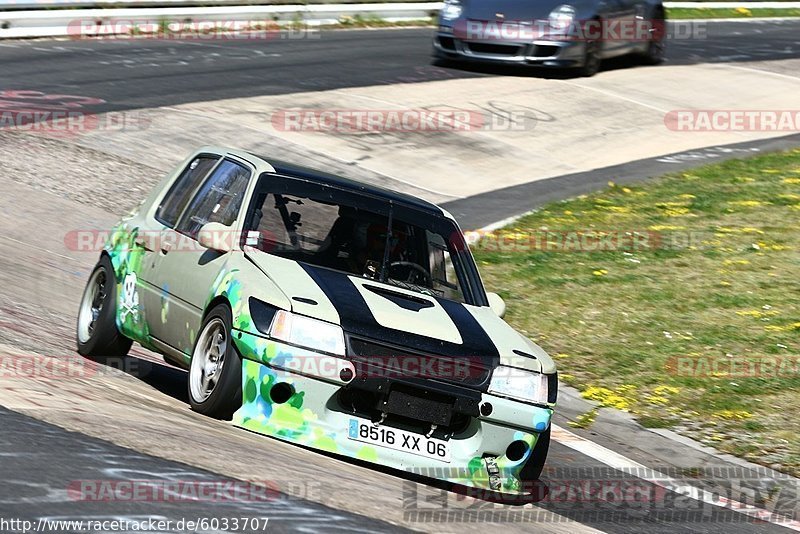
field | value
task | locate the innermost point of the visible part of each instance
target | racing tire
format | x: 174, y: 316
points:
x: 656, y: 50
x: 215, y: 371
x: 535, y: 465
x: 97, y: 335
x: 591, y: 60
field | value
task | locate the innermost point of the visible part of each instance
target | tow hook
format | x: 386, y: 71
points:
x: 494, y: 472
x: 430, y: 432
x: 378, y: 423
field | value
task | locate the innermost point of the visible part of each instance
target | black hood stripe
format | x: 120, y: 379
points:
x: 357, y: 319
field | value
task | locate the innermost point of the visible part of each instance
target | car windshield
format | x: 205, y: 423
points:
x: 364, y: 235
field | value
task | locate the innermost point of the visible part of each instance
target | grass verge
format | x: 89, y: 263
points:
x: 737, y: 13
x: 677, y: 300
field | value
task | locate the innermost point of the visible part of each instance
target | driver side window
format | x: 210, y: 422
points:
x: 219, y: 199
x: 181, y: 191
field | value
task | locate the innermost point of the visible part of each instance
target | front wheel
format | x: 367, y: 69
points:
x: 97, y: 335
x: 215, y: 374
x: 591, y: 59
x: 656, y: 50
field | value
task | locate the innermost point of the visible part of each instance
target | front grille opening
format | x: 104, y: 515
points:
x: 494, y: 49
x: 448, y: 43
x: 545, y: 51
x: 373, y: 360
x: 366, y: 405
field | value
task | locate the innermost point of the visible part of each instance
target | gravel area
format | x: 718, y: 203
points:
x: 64, y: 168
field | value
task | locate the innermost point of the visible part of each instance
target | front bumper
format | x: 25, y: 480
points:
x: 312, y: 414
x: 544, y: 53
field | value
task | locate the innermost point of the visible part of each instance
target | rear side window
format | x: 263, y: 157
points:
x: 218, y: 199
x: 181, y: 191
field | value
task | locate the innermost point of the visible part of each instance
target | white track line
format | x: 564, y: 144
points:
x: 624, y: 464
x: 37, y: 247
x: 614, y: 95
x: 765, y: 72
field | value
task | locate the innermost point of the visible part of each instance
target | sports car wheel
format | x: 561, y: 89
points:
x: 656, y: 50
x: 97, y: 334
x: 591, y: 59
x: 215, y: 374
x: 535, y: 464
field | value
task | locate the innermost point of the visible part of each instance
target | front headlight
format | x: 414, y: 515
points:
x: 452, y: 9
x: 307, y: 333
x: 519, y: 384
x: 562, y: 17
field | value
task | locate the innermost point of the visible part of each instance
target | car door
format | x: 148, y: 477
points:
x: 619, y: 19
x: 185, y: 270
x: 154, y: 223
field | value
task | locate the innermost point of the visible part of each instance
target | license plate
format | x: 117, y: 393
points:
x: 400, y: 440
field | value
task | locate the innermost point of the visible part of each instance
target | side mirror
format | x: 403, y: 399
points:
x: 497, y: 304
x: 216, y: 236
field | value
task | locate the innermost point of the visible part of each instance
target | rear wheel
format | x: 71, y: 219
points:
x: 97, y: 334
x: 215, y: 373
x: 657, y: 45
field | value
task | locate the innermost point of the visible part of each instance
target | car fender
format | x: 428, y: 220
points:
x: 237, y: 282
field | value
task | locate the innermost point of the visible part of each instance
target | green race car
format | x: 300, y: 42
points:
x: 325, y: 312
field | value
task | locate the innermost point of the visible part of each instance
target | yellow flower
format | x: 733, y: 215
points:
x: 600, y: 272
x: 675, y: 212
x: 584, y: 420
x: 733, y: 415
x: 744, y: 230
x: 665, y: 227
x: 757, y: 314
x: 791, y: 180
x: 747, y: 203
x: 724, y: 283
x: 618, y: 209
x: 666, y: 390
x: 744, y: 11
x: 606, y: 397
x: 657, y: 400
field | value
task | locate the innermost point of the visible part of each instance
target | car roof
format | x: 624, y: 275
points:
x: 297, y: 171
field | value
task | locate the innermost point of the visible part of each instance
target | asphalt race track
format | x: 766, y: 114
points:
x: 131, y: 74
x: 131, y: 420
